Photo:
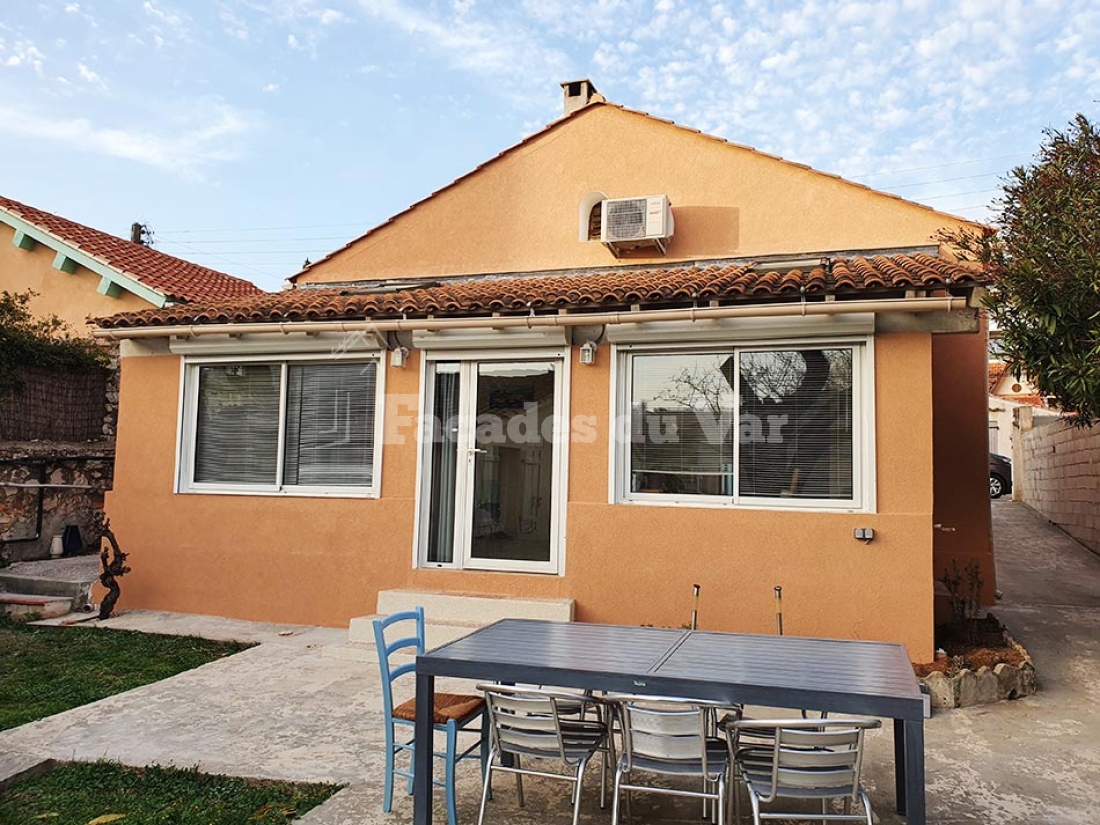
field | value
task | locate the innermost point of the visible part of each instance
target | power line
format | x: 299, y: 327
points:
x: 266, y: 240
x: 943, y: 180
x: 938, y: 166
x: 256, y: 228
x: 958, y: 194
x: 227, y: 261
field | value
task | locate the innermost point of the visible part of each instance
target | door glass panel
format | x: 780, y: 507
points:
x: 513, y: 461
x: 443, y: 421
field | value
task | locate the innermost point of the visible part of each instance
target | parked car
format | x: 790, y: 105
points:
x: 1000, y: 475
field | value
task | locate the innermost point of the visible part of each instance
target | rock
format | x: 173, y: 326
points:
x: 988, y: 687
x: 1008, y: 680
x: 942, y: 690
x: 968, y: 689
x: 1027, y: 679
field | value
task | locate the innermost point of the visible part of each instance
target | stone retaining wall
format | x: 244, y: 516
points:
x: 984, y: 685
x: 86, y: 470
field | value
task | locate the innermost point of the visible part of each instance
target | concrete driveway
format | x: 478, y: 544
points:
x: 283, y: 710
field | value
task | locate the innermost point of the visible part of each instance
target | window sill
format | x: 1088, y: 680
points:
x: 794, y: 507
x: 225, y: 491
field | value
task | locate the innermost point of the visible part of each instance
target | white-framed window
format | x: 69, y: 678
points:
x: 786, y: 425
x: 289, y: 426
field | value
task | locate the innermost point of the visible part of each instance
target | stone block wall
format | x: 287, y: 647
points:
x: 75, y: 475
x: 1060, y: 476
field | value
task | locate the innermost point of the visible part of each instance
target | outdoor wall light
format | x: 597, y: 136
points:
x: 398, y: 356
x: 588, y: 353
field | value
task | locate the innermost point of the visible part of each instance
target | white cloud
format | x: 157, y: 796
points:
x: 22, y: 53
x: 90, y: 76
x: 270, y: 87
x: 233, y: 25
x: 293, y: 42
x: 209, y: 134
x: 330, y: 17
x: 165, y: 16
x: 496, y: 46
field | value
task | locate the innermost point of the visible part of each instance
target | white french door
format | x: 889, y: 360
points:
x: 491, y: 464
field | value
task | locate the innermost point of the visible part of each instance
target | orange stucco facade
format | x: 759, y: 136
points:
x: 72, y: 298
x: 520, y: 212
x: 323, y: 560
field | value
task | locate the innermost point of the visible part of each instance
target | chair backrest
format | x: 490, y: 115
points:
x: 810, y: 754
x: 528, y: 721
x: 408, y: 621
x: 667, y: 734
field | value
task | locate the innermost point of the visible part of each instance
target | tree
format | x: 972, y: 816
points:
x: 26, y: 341
x: 1044, y: 258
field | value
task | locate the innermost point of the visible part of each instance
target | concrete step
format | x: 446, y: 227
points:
x: 361, y: 631
x: 22, y: 605
x: 478, y: 609
x: 70, y: 578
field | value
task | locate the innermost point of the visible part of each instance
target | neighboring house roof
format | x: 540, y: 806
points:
x: 1020, y: 391
x: 685, y: 284
x: 169, y: 277
x: 596, y: 102
x: 996, y: 373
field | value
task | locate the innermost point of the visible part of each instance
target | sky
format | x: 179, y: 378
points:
x: 252, y: 134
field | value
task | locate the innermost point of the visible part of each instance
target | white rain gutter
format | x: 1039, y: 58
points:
x: 939, y: 304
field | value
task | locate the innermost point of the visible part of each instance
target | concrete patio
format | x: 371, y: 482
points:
x: 283, y: 710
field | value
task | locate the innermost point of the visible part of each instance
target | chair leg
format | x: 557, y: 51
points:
x: 485, y: 757
x: 387, y: 794
x: 755, y: 808
x: 486, y: 783
x: 519, y: 780
x: 449, y: 773
x: 577, y: 791
x: 720, y: 803
x: 615, y: 796
x: 866, y: 806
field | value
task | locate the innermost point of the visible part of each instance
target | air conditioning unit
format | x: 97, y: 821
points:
x: 629, y: 223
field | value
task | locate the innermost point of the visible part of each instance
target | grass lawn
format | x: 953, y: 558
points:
x: 45, y: 670
x: 101, y: 792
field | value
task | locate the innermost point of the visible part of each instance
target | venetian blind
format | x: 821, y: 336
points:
x: 237, y: 431
x: 330, y: 424
x: 796, y: 424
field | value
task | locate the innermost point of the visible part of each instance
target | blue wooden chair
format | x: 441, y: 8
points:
x: 453, y: 713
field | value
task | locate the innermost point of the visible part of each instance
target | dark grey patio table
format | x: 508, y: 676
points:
x: 856, y: 677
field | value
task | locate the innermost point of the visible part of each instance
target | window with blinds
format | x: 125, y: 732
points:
x: 744, y: 424
x: 324, y: 414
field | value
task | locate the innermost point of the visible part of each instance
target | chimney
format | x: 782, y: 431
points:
x: 137, y: 232
x: 576, y: 94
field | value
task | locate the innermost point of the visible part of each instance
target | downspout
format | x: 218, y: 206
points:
x: 939, y: 304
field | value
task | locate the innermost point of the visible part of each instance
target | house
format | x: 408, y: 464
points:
x: 80, y: 272
x: 1007, y: 393
x: 619, y: 358
x: 60, y: 427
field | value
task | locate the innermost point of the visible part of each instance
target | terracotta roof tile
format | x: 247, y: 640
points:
x: 579, y: 291
x: 176, y: 279
x: 996, y: 373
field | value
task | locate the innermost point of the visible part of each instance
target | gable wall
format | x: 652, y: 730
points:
x: 73, y: 298
x: 520, y: 213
